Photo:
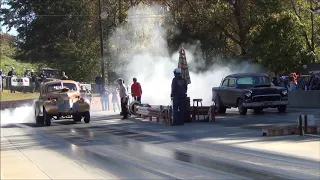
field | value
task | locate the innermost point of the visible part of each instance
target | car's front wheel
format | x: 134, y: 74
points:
x: 47, y: 118
x: 282, y: 109
x: 76, y: 117
x: 242, y: 110
x: 86, y: 117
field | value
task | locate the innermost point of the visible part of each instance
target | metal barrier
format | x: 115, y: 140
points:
x: 307, y: 125
x: 304, y: 99
x: 145, y: 110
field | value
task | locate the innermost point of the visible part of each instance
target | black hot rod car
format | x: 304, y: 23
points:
x: 249, y: 91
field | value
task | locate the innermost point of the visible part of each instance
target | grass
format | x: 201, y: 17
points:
x: 7, y: 96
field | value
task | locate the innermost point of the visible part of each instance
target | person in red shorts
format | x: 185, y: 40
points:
x: 136, y: 90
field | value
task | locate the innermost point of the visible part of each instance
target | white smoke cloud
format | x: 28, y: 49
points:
x: 141, y: 49
x: 24, y: 114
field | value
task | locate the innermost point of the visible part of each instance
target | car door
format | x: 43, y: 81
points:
x: 223, y: 88
x: 229, y: 92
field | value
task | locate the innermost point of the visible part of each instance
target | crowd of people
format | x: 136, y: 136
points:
x: 111, y: 92
x: 34, y: 79
x: 296, y: 82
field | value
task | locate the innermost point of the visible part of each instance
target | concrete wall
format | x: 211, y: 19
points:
x: 304, y: 99
x: 14, y: 104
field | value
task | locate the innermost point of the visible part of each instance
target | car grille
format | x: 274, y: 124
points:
x: 266, y: 98
x: 265, y: 91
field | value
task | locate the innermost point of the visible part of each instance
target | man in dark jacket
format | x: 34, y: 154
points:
x: 179, y: 88
x: 99, y: 83
x: 10, y: 75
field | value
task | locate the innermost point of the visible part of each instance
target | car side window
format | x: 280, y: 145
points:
x: 225, y: 82
x: 231, y: 83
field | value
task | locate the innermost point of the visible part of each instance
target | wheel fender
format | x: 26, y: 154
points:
x: 238, y: 101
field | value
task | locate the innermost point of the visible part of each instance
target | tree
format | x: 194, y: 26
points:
x: 278, y: 44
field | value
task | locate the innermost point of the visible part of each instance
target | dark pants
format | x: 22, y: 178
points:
x: 124, y: 107
x: 178, y: 110
x: 137, y: 98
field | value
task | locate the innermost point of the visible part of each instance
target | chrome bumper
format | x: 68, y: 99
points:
x: 265, y: 104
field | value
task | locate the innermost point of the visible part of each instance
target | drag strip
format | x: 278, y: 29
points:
x: 96, y: 138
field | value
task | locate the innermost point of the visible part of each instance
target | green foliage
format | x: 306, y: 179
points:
x: 278, y: 44
x: 65, y: 33
x: 19, y: 67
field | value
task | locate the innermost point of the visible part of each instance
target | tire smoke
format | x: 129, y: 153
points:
x: 139, y: 49
x: 23, y: 114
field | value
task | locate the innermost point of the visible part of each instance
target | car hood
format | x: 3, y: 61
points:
x: 64, y: 95
x: 266, y: 90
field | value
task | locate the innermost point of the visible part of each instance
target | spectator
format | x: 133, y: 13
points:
x: 27, y: 73
x: 300, y: 83
x: 42, y: 76
x: 64, y: 76
x: 11, y: 73
x: 33, y: 79
x: 124, y: 98
x: 292, y: 84
x: 115, y: 99
x: 314, y: 83
x: 136, y: 90
x: 2, y: 76
x: 104, y: 99
x: 275, y: 81
x: 99, y: 83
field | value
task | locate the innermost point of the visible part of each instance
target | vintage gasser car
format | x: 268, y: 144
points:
x: 61, y: 99
x: 249, y: 91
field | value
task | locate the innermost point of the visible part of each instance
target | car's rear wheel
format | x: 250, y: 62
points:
x: 86, y: 116
x: 39, y: 119
x: 47, y: 118
x: 242, y: 110
x: 282, y: 109
x: 219, y: 107
x: 258, y: 110
x: 76, y: 117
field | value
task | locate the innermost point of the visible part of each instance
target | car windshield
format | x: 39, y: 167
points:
x: 253, y: 81
x: 60, y: 86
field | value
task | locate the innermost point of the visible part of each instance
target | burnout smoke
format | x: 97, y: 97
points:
x: 141, y: 50
x: 24, y: 114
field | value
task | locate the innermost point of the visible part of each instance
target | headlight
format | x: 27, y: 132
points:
x: 284, y: 92
x: 248, y: 94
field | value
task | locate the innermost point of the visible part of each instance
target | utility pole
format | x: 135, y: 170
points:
x: 312, y: 30
x: 101, y: 44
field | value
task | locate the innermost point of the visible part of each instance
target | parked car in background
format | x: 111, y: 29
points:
x: 61, y: 99
x: 249, y: 91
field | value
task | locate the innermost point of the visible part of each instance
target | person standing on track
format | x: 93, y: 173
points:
x: 179, y: 89
x: 136, y: 90
x: 124, y: 96
x: 115, y: 100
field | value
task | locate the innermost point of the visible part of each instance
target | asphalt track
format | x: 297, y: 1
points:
x: 139, y: 149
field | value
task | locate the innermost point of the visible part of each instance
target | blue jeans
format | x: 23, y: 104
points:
x: 178, y: 110
x: 137, y: 98
x: 105, y: 103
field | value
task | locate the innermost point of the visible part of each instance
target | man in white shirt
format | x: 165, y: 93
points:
x: 124, y: 96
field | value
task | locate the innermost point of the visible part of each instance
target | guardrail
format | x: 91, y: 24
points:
x: 304, y: 99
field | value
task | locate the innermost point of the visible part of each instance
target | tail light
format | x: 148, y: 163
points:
x: 81, y: 100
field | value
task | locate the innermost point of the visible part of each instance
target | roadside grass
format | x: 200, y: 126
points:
x: 7, y: 96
